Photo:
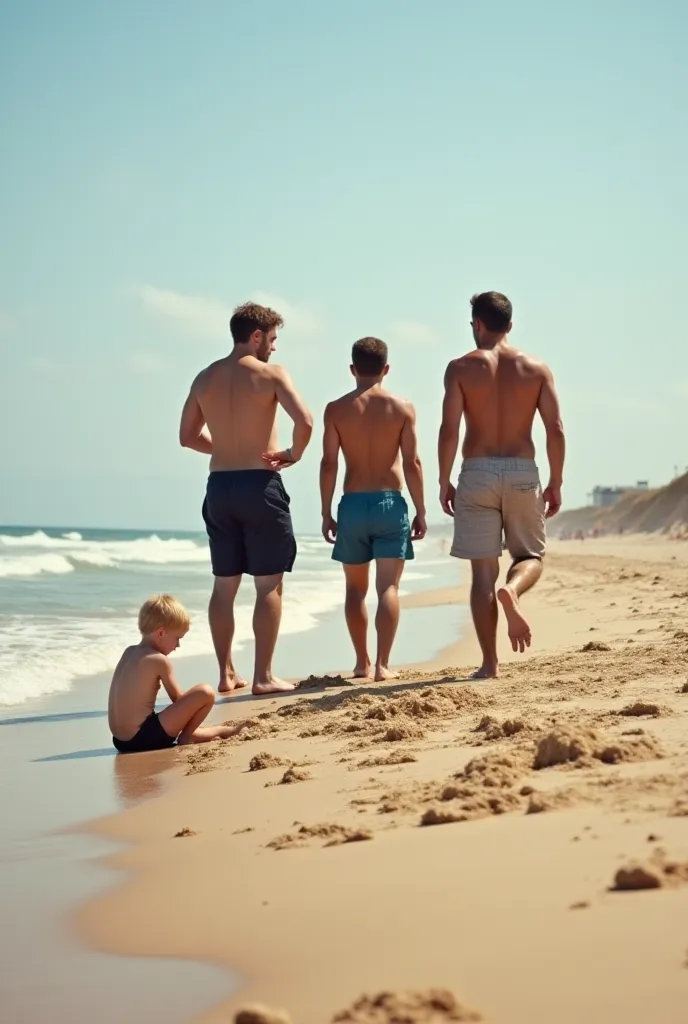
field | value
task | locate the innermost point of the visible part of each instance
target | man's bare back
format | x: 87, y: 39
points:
x: 237, y: 398
x: 502, y: 390
x: 370, y: 425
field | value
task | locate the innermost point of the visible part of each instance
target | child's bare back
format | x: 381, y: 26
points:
x: 136, y: 681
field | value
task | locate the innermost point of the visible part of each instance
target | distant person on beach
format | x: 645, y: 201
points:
x: 230, y: 414
x: 142, y: 669
x: 499, y: 390
x: 376, y: 433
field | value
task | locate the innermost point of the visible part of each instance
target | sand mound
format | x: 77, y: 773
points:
x: 641, y: 709
x: 430, y: 1007
x: 259, y: 762
x: 395, y: 757
x: 594, y: 645
x: 321, y: 682
x: 334, y: 835
x: 485, y: 786
x: 562, y: 746
x: 261, y: 1015
x: 184, y: 832
x: 654, y: 874
x: 293, y: 775
x: 492, y: 729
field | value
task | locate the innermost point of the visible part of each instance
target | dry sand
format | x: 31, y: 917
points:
x: 309, y: 866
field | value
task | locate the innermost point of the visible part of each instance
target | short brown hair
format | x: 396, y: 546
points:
x: 369, y: 356
x: 162, y: 612
x: 251, y: 317
x: 493, y: 309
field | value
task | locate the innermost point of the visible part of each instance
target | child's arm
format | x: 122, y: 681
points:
x: 166, y: 677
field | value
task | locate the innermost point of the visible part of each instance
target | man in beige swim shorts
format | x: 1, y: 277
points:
x: 499, y: 501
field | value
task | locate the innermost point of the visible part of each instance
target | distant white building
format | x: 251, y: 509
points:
x: 605, y: 497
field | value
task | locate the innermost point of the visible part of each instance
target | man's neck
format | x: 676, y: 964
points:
x: 366, y: 383
x: 492, y: 341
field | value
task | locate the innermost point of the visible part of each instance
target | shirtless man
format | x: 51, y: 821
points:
x: 499, y: 390
x: 230, y: 415
x: 376, y: 433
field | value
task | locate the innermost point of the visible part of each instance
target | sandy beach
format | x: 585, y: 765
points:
x: 301, y: 857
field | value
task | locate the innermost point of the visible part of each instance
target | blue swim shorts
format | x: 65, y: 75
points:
x: 372, y: 524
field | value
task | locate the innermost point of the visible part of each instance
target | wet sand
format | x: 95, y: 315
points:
x: 319, y: 879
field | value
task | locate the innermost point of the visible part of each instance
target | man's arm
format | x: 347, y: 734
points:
x: 329, y: 465
x: 166, y: 677
x: 193, y: 432
x: 548, y: 407
x: 413, y: 471
x: 294, y: 406
x: 448, y: 441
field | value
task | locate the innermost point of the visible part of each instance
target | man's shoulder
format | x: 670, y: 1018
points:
x: 205, y: 376
x: 337, y: 405
x: 530, y: 364
x: 404, y: 406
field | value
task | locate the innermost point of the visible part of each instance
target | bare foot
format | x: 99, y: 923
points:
x: 231, y: 682
x: 486, y: 672
x: 272, y: 685
x: 382, y: 673
x: 517, y: 624
x: 208, y: 733
x: 233, y: 730
x: 362, y: 671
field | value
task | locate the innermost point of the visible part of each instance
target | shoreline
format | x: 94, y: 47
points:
x: 513, y: 904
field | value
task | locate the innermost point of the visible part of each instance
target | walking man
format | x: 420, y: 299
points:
x: 230, y: 415
x: 376, y: 433
x: 499, y: 390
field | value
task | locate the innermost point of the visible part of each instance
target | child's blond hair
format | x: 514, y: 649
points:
x: 162, y: 612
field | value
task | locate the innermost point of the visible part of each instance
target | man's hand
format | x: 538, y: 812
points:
x: 279, y: 460
x: 329, y: 529
x: 552, y: 496
x: 447, y: 498
x: 419, y: 527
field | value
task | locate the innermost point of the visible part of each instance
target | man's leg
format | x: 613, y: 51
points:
x: 387, y: 577
x: 521, y: 577
x: 357, y: 615
x: 266, y: 622
x: 221, y: 619
x: 485, y: 613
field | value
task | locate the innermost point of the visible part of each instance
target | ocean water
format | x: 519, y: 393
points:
x: 69, y: 598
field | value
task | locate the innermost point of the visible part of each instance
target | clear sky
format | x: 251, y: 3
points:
x: 366, y: 166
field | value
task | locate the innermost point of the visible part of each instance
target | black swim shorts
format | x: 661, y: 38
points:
x: 151, y: 736
x: 246, y: 514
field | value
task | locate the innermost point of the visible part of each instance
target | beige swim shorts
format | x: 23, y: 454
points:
x: 496, y: 497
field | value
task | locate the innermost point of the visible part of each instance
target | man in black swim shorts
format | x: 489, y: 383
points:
x: 230, y: 414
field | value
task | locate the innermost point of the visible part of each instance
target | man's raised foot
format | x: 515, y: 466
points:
x: 517, y: 625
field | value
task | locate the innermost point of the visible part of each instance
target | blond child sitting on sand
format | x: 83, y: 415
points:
x: 132, y: 718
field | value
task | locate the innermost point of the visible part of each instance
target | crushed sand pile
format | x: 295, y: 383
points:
x: 431, y: 1007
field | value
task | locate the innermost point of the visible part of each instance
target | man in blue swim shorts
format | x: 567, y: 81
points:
x: 376, y: 433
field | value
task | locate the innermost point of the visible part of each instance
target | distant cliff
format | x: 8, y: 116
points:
x: 663, y: 510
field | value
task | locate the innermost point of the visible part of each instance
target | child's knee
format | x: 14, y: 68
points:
x: 205, y: 690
